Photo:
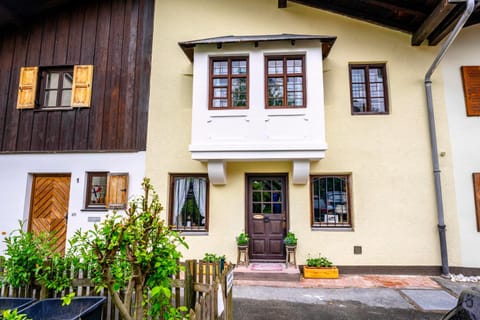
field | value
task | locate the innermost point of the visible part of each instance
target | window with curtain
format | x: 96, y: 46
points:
x: 189, y: 202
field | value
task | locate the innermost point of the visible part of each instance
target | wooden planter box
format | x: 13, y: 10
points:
x: 320, y: 272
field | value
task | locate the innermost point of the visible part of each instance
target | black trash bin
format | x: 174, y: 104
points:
x: 468, y: 306
x: 85, y: 308
x: 14, y: 303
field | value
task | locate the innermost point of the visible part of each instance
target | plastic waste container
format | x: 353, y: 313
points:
x: 14, y: 303
x: 85, y: 308
x: 468, y: 306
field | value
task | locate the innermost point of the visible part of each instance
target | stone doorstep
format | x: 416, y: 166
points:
x: 267, y: 272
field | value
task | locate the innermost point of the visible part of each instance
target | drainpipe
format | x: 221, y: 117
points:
x: 433, y: 134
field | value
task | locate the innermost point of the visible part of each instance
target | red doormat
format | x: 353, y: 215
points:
x: 266, y: 267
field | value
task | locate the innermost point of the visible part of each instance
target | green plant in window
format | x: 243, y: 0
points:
x: 191, y: 212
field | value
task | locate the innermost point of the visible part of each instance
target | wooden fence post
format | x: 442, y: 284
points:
x: 189, y: 292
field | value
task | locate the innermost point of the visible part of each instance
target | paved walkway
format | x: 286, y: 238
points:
x: 423, y: 293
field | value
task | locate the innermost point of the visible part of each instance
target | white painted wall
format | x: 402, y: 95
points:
x: 16, y: 178
x: 465, y: 133
x: 257, y: 132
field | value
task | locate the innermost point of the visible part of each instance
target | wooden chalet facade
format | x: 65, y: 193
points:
x: 74, y: 88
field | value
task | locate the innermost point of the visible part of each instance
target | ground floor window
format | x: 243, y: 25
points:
x: 106, y: 190
x: 330, y: 201
x: 189, y: 202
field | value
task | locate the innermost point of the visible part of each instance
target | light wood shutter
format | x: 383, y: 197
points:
x: 82, y: 86
x: 476, y: 190
x: 471, y: 88
x: 27, y: 88
x: 117, y: 191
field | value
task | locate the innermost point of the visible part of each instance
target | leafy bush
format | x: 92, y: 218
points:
x: 13, y: 315
x: 319, y: 262
x: 242, y: 239
x: 32, y: 256
x: 290, y: 239
x: 211, y: 257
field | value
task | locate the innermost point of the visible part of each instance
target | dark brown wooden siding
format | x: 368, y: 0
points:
x: 115, y: 36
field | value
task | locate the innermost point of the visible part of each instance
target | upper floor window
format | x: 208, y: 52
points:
x: 56, y: 87
x: 368, y: 85
x: 228, y: 83
x: 189, y: 202
x: 330, y: 201
x: 285, y: 81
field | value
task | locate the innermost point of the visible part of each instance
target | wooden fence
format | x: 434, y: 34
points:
x: 202, y: 287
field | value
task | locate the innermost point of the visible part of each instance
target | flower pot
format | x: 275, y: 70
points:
x: 320, y: 272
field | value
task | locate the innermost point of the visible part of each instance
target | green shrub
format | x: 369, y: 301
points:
x: 319, y: 262
x: 290, y: 239
x: 242, y: 239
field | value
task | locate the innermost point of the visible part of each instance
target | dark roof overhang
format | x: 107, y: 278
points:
x: 327, y: 41
x: 430, y: 20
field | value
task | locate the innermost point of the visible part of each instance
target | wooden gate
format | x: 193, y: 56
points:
x: 49, y: 206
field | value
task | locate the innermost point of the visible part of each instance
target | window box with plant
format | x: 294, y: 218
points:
x: 320, y: 268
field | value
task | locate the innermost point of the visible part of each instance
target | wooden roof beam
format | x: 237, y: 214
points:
x: 282, y: 3
x: 432, y: 22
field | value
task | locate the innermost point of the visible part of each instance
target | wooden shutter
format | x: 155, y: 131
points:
x: 117, y: 191
x: 27, y: 88
x: 476, y: 191
x: 82, y: 86
x: 471, y: 88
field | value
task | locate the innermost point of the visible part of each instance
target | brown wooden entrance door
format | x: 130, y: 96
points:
x: 267, y: 216
x: 49, y: 206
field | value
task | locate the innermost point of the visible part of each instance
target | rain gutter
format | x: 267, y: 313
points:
x: 433, y: 135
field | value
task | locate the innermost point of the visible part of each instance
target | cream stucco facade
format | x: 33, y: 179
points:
x: 464, y: 133
x: 387, y: 156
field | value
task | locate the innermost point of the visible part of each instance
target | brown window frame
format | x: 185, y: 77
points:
x: 285, y: 77
x: 192, y: 227
x: 229, y: 78
x: 476, y: 195
x: 44, y: 71
x: 333, y: 207
x: 368, y: 97
x: 88, y: 199
x: 115, y: 195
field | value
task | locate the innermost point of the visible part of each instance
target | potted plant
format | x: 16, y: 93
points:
x: 242, y: 239
x: 290, y: 240
x: 320, y: 268
x: 211, y: 259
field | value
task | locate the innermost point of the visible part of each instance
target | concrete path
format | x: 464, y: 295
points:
x: 349, y: 297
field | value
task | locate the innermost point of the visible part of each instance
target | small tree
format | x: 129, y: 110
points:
x: 135, y: 252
